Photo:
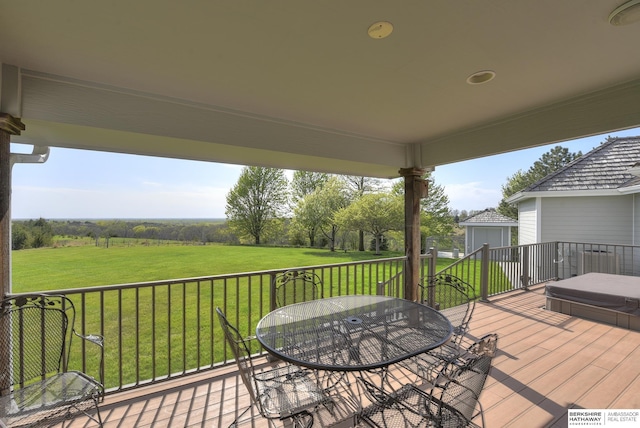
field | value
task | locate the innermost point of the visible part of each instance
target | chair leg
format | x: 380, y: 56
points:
x: 302, y: 420
x: 73, y: 410
x: 235, y: 422
x: 97, y: 418
x: 98, y: 415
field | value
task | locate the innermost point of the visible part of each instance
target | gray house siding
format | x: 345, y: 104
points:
x: 528, y: 222
x: 601, y: 219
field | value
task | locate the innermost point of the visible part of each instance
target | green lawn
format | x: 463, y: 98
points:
x: 74, y: 267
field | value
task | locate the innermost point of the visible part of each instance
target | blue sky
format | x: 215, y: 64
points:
x: 87, y: 184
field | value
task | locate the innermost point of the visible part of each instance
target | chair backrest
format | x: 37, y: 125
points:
x: 294, y: 286
x: 242, y: 354
x: 456, y: 299
x: 35, y: 337
x: 464, y: 388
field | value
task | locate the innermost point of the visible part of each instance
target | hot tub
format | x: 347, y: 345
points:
x: 613, y: 299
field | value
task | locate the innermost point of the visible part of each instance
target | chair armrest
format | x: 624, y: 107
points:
x: 97, y: 340
x: 93, y: 338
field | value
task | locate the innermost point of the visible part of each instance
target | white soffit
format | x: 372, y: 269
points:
x: 303, y: 83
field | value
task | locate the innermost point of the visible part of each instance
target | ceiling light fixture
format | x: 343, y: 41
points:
x: 381, y: 29
x: 480, y: 77
x: 627, y: 13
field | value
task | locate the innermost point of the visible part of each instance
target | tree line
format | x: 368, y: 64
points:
x: 41, y: 232
x: 329, y: 209
x: 325, y: 210
x: 313, y: 210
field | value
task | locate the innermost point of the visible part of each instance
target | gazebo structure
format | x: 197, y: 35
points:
x: 487, y: 227
x: 371, y: 88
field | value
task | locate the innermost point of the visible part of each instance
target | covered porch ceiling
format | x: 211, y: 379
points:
x: 302, y: 85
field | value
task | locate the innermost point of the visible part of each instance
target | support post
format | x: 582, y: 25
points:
x: 414, y: 188
x: 9, y: 125
x: 556, y: 262
x: 526, y: 261
x: 484, y: 274
x: 431, y: 275
x: 272, y: 292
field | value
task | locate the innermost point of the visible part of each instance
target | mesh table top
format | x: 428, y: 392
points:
x: 350, y: 333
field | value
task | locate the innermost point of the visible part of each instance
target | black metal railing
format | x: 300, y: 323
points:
x: 494, y: 271
x: 166, y: 329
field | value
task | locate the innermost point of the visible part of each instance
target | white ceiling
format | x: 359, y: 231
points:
x: 300, y: 85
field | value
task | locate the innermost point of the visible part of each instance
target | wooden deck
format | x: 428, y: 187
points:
x: 547, y: 363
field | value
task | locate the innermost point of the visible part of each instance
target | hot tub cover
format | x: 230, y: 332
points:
x: 616, y: 292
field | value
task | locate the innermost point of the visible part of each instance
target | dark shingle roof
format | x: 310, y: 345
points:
x: 605, y: 167
x: 487, y: 216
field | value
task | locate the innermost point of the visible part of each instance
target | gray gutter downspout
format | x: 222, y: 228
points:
x: 39, y: 154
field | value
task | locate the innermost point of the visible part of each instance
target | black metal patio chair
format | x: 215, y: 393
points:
x: 457, y: 300
x: 280, y: 392
x: 294, y: 286
x: 451, y: 403
x: 36, y: 386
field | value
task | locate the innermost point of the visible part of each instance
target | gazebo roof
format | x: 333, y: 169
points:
x: 488, y: 218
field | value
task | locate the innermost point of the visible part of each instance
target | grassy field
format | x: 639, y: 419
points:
x: 75, y: 267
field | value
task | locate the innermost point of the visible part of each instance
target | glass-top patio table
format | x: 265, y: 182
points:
x: 352, y: 333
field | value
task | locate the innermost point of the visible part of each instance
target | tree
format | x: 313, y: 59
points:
x: 41, y: 233
x: 19, y: 237
x: 257, y: 200
x: 375, y: 213
x: 552, y: 161
x: 316, y: 211
x: 193, y: 233
x: 332, y: 198
x: 548, y: 163
x: 359, y: 186
x: 307, y: 218
x: 435, y: 219
x: 306, y: 182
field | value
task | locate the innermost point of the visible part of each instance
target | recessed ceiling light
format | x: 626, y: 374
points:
x: 626, y: 13
x: 480, y: 77
x: 381, y: 29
